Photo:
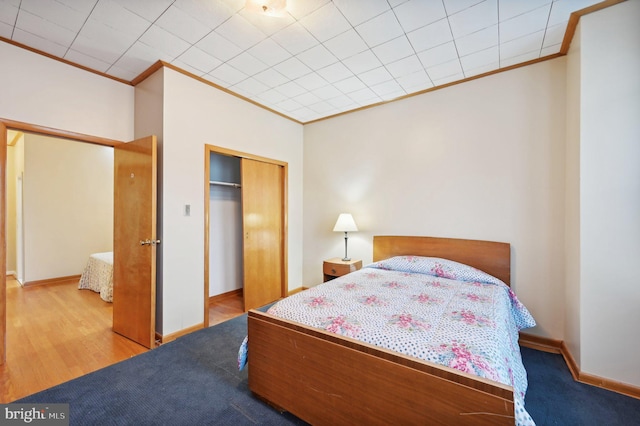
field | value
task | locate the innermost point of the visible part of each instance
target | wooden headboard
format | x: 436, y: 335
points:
x: 488, y: 256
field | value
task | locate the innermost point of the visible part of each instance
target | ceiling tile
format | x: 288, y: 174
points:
x: 240, y: 32
x: 183, y: 25
x: 335, y: 72
x: 364, y: 96
x: 430, y: 36
x: 98, y: 41
x: 342, y: 101
x: 209, y: 13
x: 39, y: 43
x: 350, y: 84
x: 477, y: 41
x: 291, y: 89
x: 87, y: 61
x: 480, y: 59
x: 147, y: 9
x: 300, y: 9
x: 326, y: 22
x: 218, y: 47
x: 292, y: 68
x: 474, y: 18
x: 522, y: 45
x: 199, y: 59
x: 448, y: 79
x: 481, y: 70
x: 247, y: 63
x: 117, y: 17
x: 188, y: 68
x: 269, y: 52
x: 271, y: 77
x: 510, y: 9
x: 140, y: 57
x: 393, y: 50
x: 380, y: 29
x: 295, y: 39
x: 362, y: 62
x: 54, y: 12
x: 561, y: 9
x: 311, y: 81
x: 554, y: 34
x: 307, y: 99
x: 455, y: 6
x: 415, y: 82
x: 438, y: 55
x: 317, y: 57
x: 375, y: 76
x: 228, y: 74
x: 550, y: 50
x: 125, y: 75
x: 83, y: 6
x: 6, y: 30
x: 288, y: 105
x: 415, y: 14
x: 269, y: 25
x: 9, y: 12
x: 251, y: 86
x: 446, y: 69
x: 272, y: 96
x: 327, y: 92
x: 404, y: 66
x: 164, y: 41
x: 388, y: 89
x: 347, y: 44
x: 526, y: 23
x: 45, y: 29
x: 358, y: 12
x: 513, y: 60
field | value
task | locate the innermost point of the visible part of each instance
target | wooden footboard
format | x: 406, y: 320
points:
x: 323, y: 378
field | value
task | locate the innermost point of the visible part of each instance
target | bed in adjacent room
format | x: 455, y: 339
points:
x: 98, y: 275
x: 428, y: 333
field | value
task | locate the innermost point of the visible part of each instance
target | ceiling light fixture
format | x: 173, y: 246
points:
x: 267, y: 7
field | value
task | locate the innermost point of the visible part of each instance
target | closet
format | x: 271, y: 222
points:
x: 245, y: 221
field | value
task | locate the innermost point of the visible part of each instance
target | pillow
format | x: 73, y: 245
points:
x: 436, y: 267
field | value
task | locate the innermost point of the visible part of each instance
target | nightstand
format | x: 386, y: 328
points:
x: 336, y: 267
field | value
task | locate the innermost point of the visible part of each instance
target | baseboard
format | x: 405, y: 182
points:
x: 558, y: 346
x: 11, y: 274
x: 51, y: 281
x: 220, y: 297
x: 160, y: 339
x: 540, y: 343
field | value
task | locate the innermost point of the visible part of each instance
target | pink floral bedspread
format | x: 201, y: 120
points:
x: 432, y: 309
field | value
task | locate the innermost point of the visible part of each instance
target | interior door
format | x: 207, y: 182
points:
x: 134, y: 245
x: 262, y: 212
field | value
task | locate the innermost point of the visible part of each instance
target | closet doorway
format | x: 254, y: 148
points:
x: 245, y: 227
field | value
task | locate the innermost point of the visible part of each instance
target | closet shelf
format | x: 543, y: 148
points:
x: 215, y: 182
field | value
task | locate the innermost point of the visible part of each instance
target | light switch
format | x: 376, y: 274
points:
x: 187, y: 209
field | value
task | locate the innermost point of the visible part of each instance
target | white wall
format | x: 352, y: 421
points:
x: 196, y: 114
x: 479, y: 160
x: 45, y: 92
x: 68, y: 205
x: 610, y: 192
x: 572, y: 201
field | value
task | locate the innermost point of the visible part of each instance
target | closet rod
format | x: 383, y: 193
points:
x: 215, y: 182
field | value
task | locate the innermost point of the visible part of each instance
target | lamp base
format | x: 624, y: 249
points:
x: 346, y: 259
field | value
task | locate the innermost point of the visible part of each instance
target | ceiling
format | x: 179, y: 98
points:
x: 321, y: 58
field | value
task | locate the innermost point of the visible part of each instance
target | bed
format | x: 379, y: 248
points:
x: 330, y: 373
x: 98, y: 275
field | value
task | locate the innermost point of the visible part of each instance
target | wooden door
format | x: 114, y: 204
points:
x: 134, y: 245
x: 262, y: 217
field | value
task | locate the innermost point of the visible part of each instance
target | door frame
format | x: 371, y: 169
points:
x: 208, y: 149
x: 28, y: 128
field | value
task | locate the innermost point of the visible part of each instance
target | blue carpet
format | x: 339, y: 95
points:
x: 194, y: 380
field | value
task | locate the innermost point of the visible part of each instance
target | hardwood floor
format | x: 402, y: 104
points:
x: 56, y: 333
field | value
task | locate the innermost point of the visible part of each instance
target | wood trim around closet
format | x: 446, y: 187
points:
x: 208, y: 149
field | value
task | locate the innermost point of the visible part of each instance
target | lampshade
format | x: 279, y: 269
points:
x: 266, y: 7
x: 345, y: 223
